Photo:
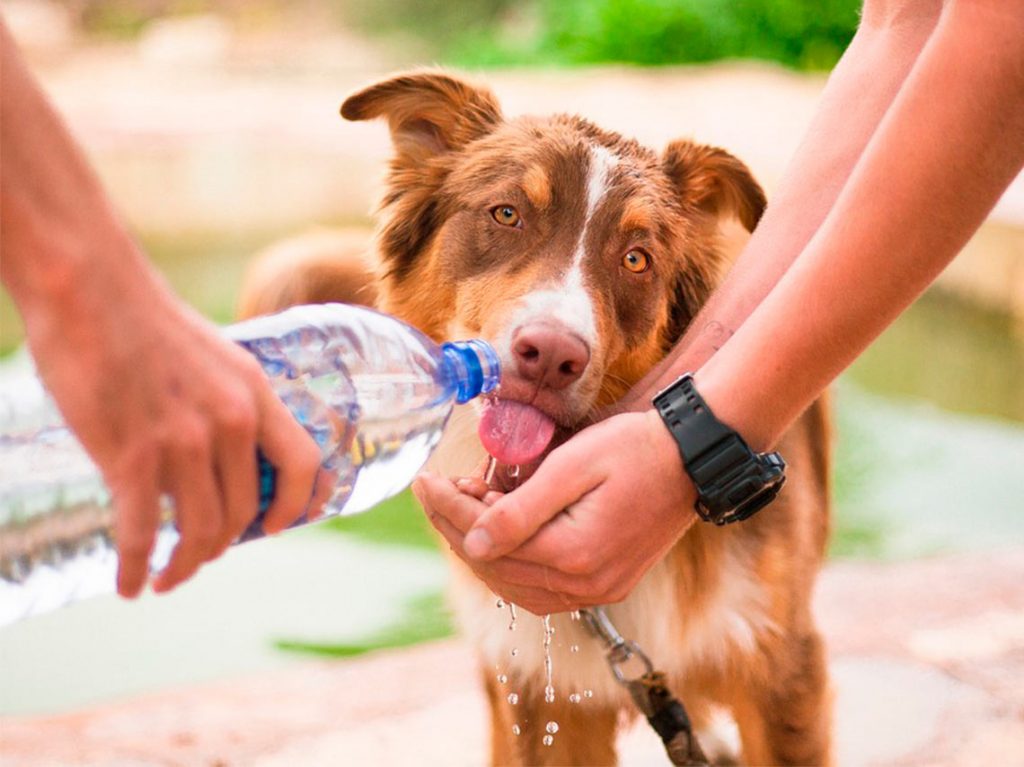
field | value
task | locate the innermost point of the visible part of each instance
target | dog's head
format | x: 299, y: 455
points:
x: 581, y: 255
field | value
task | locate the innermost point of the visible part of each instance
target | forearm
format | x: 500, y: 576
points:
x: 58, y: 229
x: 856, y: 97
x: 948, y: 147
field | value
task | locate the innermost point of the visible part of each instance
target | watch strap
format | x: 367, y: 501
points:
x: 732, y: 481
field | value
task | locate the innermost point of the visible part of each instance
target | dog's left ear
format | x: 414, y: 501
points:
x: 712, y: 180
x: 429, y: 112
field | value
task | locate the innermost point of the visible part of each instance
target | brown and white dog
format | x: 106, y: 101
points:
x: 582, y: 256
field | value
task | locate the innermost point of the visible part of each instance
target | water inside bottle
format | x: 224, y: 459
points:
x: 371, y: 392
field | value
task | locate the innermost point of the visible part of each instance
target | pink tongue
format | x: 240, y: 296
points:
x: 515, y: 433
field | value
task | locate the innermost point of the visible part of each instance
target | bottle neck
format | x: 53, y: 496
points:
x: 472, y: 367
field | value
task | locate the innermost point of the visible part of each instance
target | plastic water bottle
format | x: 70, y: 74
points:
x: 373, y: 392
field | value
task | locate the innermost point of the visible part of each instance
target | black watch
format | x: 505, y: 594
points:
x: 733, y: 482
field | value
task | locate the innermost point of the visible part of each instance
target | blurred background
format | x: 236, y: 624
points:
x: 215, y: 128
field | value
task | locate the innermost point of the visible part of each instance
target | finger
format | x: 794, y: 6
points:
x: 239, y: 483
x: 441, y: 497
x: 135, y: 524
x: 451, y: 535
x: 197, y: 508
x: 474, y: 486
x: 539, y: 600
x: 512, y: 520
x: 323, y: 489
x: 294, y: 455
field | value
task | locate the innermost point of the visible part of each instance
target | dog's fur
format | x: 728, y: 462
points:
x: 727, y: 613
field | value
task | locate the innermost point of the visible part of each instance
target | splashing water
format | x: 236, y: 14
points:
x: 549, y: 632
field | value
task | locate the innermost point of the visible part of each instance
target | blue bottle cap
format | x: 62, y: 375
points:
x: 474, y: 368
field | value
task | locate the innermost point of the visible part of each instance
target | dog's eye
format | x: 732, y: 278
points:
x: 636, y: 261
x: 506, y: 215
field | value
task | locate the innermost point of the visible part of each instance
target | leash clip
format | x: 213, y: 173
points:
x: 620, y: 650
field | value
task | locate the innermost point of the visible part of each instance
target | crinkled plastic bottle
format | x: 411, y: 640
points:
x: 373, y: 392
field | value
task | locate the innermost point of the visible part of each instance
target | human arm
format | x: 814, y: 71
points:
x: 948, y: 147
x: 159, y: 399
x: 972, y: 150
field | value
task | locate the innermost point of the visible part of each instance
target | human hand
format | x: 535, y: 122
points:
x: 164, y: 404
x: 597, y: 514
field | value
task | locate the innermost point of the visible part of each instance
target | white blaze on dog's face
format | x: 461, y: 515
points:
x: 580, y: 255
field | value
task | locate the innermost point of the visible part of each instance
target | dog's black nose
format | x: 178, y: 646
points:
x: 549, y: 354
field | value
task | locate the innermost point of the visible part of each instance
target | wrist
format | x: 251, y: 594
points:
x: 731, y: 480
x: 740, y: 411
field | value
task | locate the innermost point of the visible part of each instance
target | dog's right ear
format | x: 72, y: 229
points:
x: 429, y: 112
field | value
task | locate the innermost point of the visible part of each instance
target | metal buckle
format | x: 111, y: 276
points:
x: 620, y: 650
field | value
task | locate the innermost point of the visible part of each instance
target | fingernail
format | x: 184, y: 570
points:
x: 478, y: 543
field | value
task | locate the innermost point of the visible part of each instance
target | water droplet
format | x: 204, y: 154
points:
x: 552, y: 727
x: 575, y: 615
x: 500, y: 603
x: 574, y: 648
x: 515, y: 729
x: 513, y: 471
x: 575, y: 698
x: 588, y: 693
x: 548, y: 740
x: 515, y: 651
x: 513, y: 698
x: 502, y: 678
x: 549, y: 690
x: 492, y: 465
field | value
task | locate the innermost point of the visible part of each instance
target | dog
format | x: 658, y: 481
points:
x: 582, y: 257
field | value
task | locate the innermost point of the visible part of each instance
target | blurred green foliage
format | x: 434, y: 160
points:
x: 398, y: 521
x: 424, y: 618
x: 805, y: 34
x: 798, y: 33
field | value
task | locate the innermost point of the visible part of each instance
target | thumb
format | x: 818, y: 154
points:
x: 515, y: 517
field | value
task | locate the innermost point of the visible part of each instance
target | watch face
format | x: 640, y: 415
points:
x: 742, y: 500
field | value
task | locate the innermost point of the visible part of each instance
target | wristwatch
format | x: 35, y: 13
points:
x: 733, y: 482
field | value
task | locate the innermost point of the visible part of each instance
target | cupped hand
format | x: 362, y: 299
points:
x: 164, y: 404
x: 597, y: 514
